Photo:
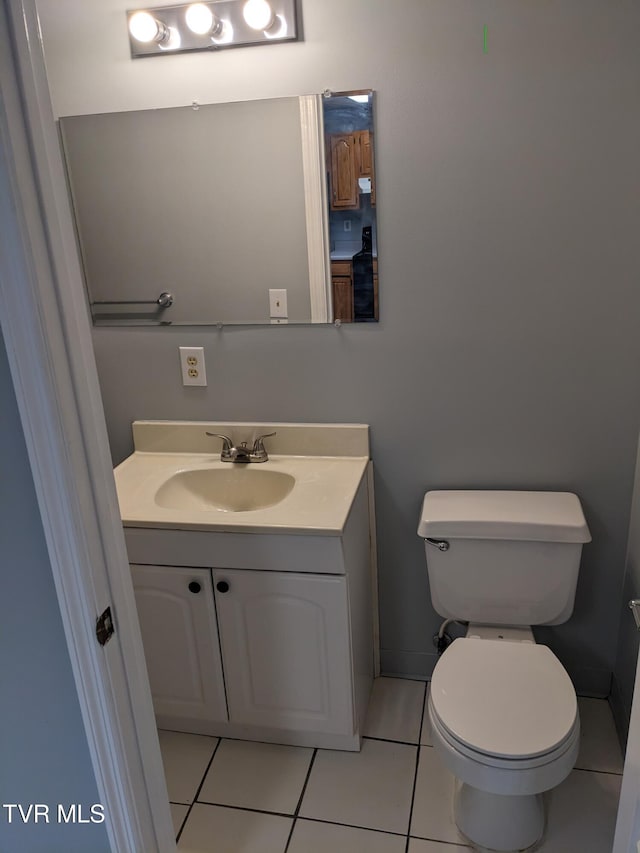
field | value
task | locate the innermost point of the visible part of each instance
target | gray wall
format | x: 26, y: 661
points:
x: 624, y: 675
x: 43, y: 748
x: 508, y: 214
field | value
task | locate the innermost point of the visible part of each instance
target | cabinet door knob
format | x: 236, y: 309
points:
x: 222, y: 586
x: 194, y: 587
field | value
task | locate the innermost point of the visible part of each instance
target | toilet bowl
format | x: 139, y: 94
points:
x: 502, y: 708
x: 505, y: 722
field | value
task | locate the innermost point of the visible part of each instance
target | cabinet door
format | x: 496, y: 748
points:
x: 345, y: 193
x: 177, y: 618
x: 342, y: 291
x: 286, y: 649
x: 365, y: 158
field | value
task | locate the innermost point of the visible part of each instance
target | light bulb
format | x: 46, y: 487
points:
x: 201, y: 20
x: 258, y: 14
x: 145, y: 28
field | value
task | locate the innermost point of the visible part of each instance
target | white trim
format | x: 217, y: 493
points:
x: 373, y: 556
x: 316, y: 205
x: 48, y: 338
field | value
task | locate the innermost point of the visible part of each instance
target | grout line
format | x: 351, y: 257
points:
x: 415, y: 774
x: 204, y: 776
x: 304, y: 817
x: 188, y: 734
x: 184, y: 820
x: 354, y: 826
x: 391, y: 740
x: 602, y: 772
x: 243, y: 809
x: 300, y: 798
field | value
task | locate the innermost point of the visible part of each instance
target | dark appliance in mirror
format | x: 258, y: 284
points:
x: 364, y: 304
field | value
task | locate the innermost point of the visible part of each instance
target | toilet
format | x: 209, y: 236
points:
x: 502, y: 708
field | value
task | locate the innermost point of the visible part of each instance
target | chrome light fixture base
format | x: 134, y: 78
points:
x: 230, y: 28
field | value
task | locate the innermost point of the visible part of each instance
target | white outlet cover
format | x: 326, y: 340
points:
x: 192, y: 366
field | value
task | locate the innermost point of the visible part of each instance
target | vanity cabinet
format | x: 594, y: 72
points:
x: 265, y: 637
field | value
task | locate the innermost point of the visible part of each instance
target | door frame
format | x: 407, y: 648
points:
x: 47, y: 332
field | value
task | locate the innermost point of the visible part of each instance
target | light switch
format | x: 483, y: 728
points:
x: 278, y: 303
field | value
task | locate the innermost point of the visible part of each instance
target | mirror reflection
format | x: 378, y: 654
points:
x: 348, y: 124
x: 245, y: 213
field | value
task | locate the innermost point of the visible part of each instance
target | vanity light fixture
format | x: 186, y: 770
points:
x: 211, y: 26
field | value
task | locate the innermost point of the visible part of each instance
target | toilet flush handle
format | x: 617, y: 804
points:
x: 440, y: 544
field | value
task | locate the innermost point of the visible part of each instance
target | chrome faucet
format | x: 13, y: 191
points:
x: 243, y: 453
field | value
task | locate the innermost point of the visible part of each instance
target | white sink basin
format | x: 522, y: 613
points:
x: 232, y: 489
x: 176, y: 480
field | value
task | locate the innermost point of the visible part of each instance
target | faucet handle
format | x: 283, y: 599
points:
x: 258, y: 446
x: 227, y: 444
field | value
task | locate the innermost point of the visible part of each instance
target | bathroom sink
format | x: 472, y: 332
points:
x: 233, y: 489
x: 175, y: 478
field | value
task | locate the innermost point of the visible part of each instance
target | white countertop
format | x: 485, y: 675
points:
x: 319, y: 503
x: 346, y: 254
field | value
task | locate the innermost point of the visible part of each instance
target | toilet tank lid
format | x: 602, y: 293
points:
x: 528, y: 516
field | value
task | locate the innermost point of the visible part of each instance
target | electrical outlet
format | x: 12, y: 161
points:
x: 278, y: 303
x: 192, y: 366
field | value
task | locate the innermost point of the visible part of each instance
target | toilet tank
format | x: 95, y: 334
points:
x: 503, y: 558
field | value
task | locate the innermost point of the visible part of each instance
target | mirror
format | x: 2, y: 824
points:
x: 348, y: 127
x: 243, y: 213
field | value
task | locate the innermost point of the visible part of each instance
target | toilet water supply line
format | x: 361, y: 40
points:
x: 442, y: 640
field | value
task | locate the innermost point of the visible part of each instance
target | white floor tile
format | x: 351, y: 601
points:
x: 264, y: 776
x: 215, y: 829
x: 425, y: 732
x: 419, y: 845
x: 371, y: 788
x: 178, y: 814
x: 395, y: 709
x: 185, y: 758
x: 310, y: 836
x: 599, y: 745
x: 581, y: 813
x: 433, y: 802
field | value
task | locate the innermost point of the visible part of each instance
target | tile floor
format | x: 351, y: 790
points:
x: 230, y: 796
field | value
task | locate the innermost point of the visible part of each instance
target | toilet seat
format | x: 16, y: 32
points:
x: 567, y: 747
x: 504, y: 703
